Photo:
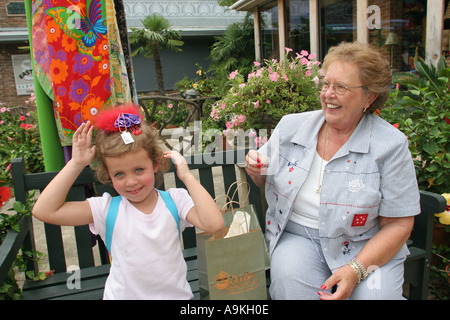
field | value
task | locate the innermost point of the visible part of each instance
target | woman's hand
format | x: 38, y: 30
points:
x: 346, y: 280
x: 82, y: 150
x: 256, y: 166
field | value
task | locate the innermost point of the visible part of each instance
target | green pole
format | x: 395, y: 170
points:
x: 51, y: 145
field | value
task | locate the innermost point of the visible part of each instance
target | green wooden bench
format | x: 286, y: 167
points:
x: 92, y: 277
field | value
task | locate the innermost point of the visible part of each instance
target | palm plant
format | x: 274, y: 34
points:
x: 149, y: 40
x: 234, y: 50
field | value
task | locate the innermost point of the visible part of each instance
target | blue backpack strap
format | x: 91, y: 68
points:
x: 111, y: 220
x: 170, y: 204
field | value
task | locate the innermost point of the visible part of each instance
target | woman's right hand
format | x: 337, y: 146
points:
x: 256, y: 166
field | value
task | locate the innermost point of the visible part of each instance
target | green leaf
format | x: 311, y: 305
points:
x: 431, y: 148
x: 19, y: 206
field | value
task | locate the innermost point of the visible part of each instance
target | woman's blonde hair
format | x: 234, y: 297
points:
x: 110, y: 144
x: 375, y: 72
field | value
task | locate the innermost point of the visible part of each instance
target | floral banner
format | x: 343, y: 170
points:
x: 78, y: 59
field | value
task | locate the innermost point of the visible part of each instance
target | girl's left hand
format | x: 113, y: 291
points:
x: 180, y: 163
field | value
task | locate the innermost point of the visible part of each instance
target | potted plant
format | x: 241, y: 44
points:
x: 422, y: 113
x: 272, y: 89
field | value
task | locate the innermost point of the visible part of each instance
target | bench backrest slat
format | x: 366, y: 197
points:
x: 55, y: 247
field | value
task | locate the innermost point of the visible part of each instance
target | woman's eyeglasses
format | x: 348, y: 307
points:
x: 338, y: 88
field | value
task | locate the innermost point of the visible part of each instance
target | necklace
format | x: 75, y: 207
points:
x: 319, y: 184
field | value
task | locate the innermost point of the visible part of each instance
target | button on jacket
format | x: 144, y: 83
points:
x: 371, y: 175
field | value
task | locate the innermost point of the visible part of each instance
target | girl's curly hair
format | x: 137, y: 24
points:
x: 110, y: 144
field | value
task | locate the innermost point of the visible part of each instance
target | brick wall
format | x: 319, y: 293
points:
x: 11, y: 21
x: 8, y: 93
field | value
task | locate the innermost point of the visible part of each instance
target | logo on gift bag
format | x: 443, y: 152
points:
x: 235, y: 284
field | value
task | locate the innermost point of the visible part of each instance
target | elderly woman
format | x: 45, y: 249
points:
x: 341, y: 188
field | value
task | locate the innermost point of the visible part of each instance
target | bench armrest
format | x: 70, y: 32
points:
x: 11, y: 245
x: 430, y: 203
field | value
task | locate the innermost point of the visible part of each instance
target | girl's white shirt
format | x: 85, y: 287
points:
x: 147, y: 261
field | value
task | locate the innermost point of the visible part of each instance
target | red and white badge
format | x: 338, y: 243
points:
x: 359, y: 220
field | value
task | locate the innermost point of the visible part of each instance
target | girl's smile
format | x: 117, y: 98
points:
x: 133, y: 177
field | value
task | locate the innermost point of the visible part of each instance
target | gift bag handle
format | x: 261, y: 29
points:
x: 238, y: 185
x: 233, y: 209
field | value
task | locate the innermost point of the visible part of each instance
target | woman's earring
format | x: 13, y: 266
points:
x: 364, y: 110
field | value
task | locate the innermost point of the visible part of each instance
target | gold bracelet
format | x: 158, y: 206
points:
x: 359, y: 269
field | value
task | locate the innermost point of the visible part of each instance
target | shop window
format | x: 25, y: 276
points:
x: 401, y: 35
x: 337, y: 23
x: 297, y: 25
x: 269, y: 31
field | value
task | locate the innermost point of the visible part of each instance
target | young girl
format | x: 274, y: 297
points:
x: 147, y: 262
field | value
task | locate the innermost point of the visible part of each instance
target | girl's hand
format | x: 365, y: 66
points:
x: 180, y: 163
x: 82, y: 150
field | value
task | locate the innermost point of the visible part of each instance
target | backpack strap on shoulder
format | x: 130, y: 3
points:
x: 170, y: 204
x: 111, y: 221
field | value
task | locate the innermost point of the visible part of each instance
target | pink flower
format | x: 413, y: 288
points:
x: 242, y: 85
x: 285, y: 77
x: 170, y: 106
x: 304, y: 53
x: 312, y: 56
x: 256, y: 104
x: 241, y: 118
x: 316, y: 80
x: 260, y: 141
x: 256, y: 63
x: 233, y: 74
x: 308, y: 73
x: 304, y: 61
x: 288, y: 49
x: 274, y: 76
x: 267, y: 101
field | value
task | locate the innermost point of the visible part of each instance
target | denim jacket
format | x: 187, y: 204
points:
x: 371, y: 175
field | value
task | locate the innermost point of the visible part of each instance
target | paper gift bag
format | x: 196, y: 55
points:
x: 233, y: 268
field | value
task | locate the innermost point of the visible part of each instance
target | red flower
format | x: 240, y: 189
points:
x: 22, y: 118
x: 396, y: 125
x: 26, y: 126
x: 5, y: 194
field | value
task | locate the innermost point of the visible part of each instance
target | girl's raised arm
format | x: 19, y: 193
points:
x: 205, y: 215
x: 51, y: 206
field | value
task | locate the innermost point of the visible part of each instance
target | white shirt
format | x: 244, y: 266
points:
x: 305, y: 210
x: 147, y: 262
